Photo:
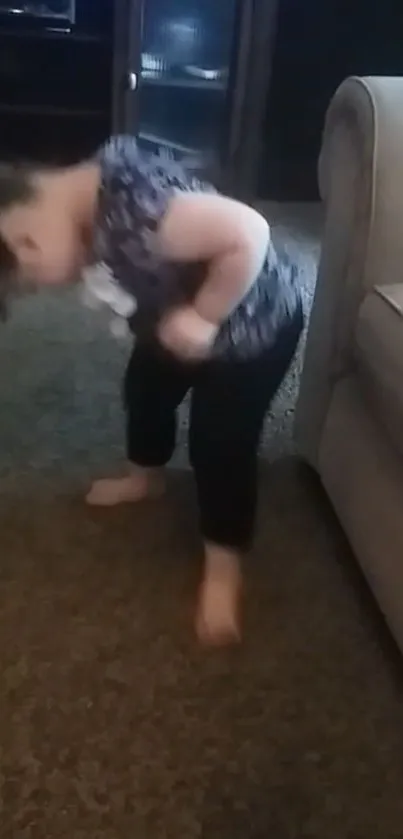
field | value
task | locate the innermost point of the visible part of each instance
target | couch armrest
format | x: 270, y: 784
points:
x: 361, y: 183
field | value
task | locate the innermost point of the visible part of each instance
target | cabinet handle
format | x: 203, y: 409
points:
x: 132, y: 80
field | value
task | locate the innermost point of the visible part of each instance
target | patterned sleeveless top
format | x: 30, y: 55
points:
x: 127, y: 274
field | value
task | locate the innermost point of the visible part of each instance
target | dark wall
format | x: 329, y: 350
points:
x: 318, y: 44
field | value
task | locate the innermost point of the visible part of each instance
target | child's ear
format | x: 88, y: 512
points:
x: 27, y: 242
x: 25, y: 246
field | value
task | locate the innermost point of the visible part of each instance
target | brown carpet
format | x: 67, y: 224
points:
x: 113, y: 723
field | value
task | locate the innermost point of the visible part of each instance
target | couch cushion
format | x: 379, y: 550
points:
x: 379, y: 356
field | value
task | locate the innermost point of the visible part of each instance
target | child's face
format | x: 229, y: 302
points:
x: 45, y: 239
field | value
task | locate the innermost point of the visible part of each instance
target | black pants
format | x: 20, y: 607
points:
x: 229, y: 403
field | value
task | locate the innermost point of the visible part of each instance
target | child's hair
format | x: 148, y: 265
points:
x: 16, y: 187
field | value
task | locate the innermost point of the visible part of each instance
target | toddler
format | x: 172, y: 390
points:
x: 212, y: 308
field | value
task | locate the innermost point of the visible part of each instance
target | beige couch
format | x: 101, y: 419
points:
x: 349, y: 423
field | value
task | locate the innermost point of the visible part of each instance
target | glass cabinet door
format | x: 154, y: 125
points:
x: 183, y: 75
x: 193, y: 75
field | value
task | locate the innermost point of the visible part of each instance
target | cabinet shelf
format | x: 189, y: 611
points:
x: 49, y: 110
x: 157, y: 140
x: 54, y: 33
x: 187, y: 84
x: 202, y: 162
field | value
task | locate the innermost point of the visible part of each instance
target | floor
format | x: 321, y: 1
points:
x: 114, y: 723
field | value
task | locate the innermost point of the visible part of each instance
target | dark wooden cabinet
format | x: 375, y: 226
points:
x: 239, y: 87
x: 193, y: 75
x: 56, y: 60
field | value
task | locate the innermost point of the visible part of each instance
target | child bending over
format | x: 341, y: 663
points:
x: 212, y: 308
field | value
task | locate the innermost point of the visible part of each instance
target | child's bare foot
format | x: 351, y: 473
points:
x: 137, y: 485
x: 217, y: 618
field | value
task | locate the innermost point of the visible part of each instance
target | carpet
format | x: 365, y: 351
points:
x: 114, y: 723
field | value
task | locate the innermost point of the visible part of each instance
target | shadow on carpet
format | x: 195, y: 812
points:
x: 114, y: 724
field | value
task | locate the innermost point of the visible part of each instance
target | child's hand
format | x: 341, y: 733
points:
x: 185, y: 334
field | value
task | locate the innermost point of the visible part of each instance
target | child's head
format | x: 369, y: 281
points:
x: 46, y: 217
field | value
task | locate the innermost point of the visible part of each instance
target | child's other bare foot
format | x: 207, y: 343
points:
x: 136, y: 485
x: 217, y: 618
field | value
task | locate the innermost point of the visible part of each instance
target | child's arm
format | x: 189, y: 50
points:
x: 231, y: 237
